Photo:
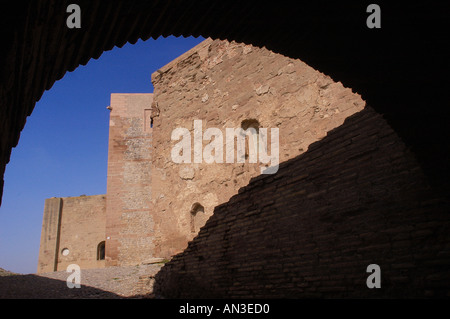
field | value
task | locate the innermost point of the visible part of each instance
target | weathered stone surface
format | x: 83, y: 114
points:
x: 187, y: 173
x: 263, y: 89
x: 311, y: 230
x: 74, y: 223
x: 238, y: 83
x: 225, y: 85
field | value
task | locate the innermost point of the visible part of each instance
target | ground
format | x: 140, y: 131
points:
x: 105, y: 283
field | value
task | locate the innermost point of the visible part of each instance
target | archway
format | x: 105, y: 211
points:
x: 394, y: 70
x: 400, y: 74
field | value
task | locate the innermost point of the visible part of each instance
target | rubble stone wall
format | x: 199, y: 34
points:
x: 225, y: 85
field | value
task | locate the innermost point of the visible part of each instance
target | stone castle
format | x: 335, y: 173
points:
x: 153, y: 206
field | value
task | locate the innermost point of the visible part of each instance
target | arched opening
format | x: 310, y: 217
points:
x: 101, y: 251
x: 361, y: 64
x: 400, y: 94
x: 196, y: 210
x: 250, y: 123
x: 251, y: 129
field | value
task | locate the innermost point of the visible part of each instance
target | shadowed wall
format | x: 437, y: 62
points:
x: 222, y: 85
x: 355, y: 198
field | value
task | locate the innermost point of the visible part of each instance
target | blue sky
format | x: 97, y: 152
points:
x: 63, y: 149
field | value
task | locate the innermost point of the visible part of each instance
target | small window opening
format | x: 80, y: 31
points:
x: 101, y: 251
x: 196, y: 208
x: 246, y: 124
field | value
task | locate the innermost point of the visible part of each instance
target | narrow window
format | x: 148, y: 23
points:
x: 148, y: 120
x: 195, y: 211
x: 101, y: 251
x: 253, y: 124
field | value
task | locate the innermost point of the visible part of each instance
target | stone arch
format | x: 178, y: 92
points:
x: 394, y: 71
x: 331, y: 38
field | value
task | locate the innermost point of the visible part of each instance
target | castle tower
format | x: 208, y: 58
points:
x: 129, y: 224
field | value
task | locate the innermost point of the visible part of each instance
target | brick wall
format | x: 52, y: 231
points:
x: 356, y: 197
x: 129, y: 226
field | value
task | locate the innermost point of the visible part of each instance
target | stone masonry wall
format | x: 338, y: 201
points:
x: 129, y: 226
x: 355, y: 198
x: 48, y: 249
x: 223, y: 84
x: 76, y: 224
x: 83, y: 223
